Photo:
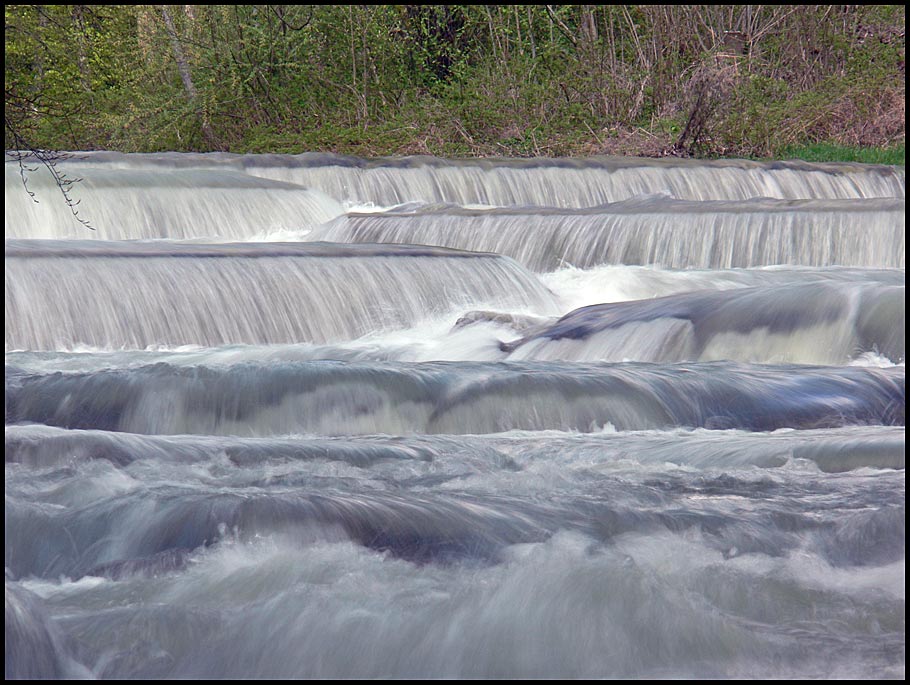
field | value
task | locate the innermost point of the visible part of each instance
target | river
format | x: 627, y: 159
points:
x: 312, y: 416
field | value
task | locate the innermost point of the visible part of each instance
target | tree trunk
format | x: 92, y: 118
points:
x: 78, y: 17
x: 183, y: 68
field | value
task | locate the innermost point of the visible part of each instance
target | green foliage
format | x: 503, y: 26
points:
x: 456, y: 80
x: 825, y: 152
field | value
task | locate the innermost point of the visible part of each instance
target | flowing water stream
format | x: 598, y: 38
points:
x: 313, y: 416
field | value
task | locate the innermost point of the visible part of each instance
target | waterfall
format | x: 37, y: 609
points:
x: 157, y: 203
x: 114, y: 295
x: 811, y: 323
x: 572, y: 183
x: 651, y: 231
x: 313, y: 416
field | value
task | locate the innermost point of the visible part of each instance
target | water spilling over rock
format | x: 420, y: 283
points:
x: 605, y: 418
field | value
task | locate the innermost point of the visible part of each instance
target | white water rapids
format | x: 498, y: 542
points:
x: 312, y: 416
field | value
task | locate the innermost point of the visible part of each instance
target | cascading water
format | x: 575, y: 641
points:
x: 667, y: 440
x: 63, y: 294
x: 156, y: 203
x: 815, y: 323
x: 335, y: 398
x: 656, y: 230
x: 571, y: 183
x: 566, y: 183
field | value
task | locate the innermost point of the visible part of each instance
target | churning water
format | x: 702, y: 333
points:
x: 312, y: 416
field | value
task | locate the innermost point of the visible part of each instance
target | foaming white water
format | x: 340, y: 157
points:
x: 581, y: 287
x: 643, y: 606
x: 102, y: 465
x: 342, y: 508
x: 571, y: 183
x: 652, y: 230
x: 36, y: 649
x: 566, y: 183
x: 867, y: 328
x: 344, y: 398
x: 156, y: 203
x: 813, y: 322
x: 874, y: 359
x: 110, y: 295
x: 459, y: 556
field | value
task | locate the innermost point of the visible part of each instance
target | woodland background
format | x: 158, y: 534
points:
x: 753, y: 81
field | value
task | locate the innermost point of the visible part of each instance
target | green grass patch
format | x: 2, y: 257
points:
x: 830, y: 152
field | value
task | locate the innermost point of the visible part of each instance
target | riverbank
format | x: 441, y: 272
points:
x: 379, y: 142
x: 814, y: 82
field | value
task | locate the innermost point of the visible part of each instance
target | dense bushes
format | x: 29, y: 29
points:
x: 455, y: 80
